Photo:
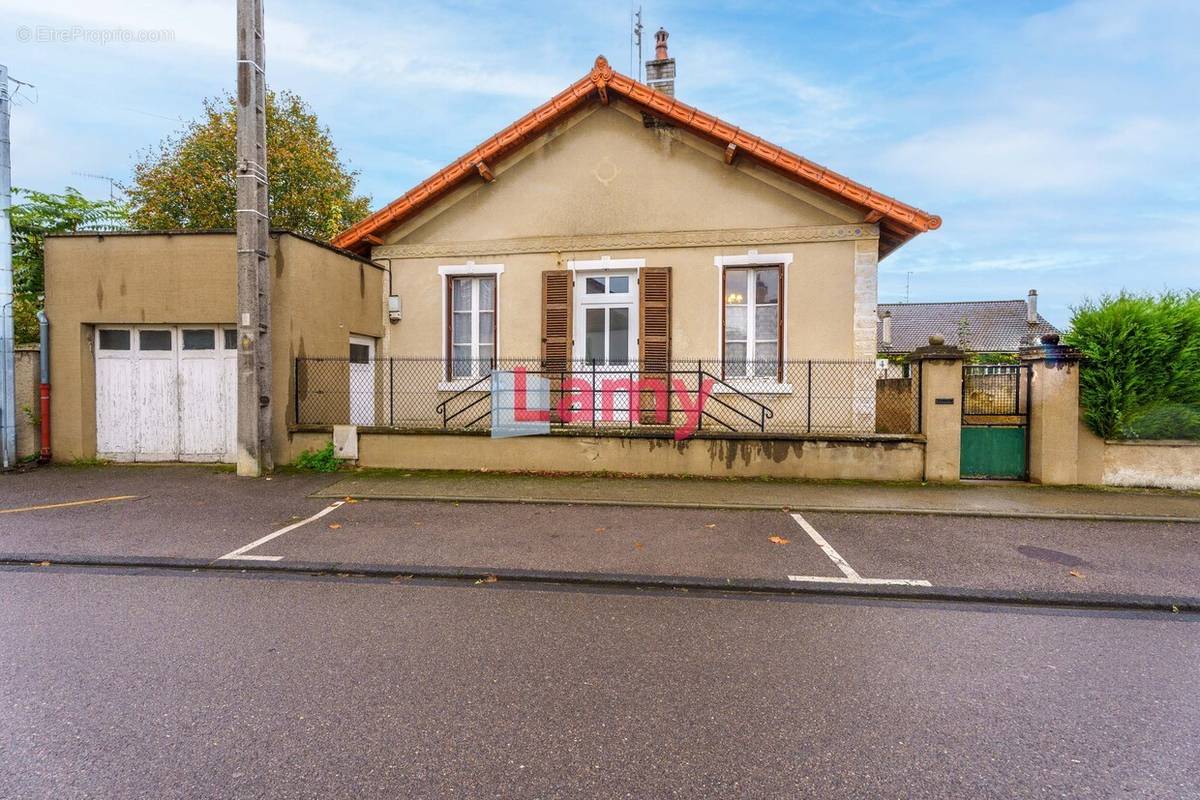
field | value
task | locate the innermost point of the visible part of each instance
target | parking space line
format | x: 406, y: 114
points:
x: 239, y: 553
x: 845, y: 567
x: 69, y: 504
x: 850, y: 575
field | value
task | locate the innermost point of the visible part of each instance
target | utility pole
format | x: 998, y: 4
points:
x: 253, y: 241
x: 8, y: 380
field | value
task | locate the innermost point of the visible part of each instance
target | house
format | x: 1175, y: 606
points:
x: 616, y: 226
x: 981, y: 326
x: 638, y: 255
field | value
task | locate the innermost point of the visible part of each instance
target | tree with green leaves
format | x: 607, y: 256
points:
x: 33, y: 216
x: 188, y: 181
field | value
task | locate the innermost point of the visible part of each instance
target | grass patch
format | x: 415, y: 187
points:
x: 322, y: 460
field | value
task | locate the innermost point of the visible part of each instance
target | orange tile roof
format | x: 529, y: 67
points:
x: 898, y: 221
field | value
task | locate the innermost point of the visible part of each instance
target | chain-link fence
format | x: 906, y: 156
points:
x: 792, y: 397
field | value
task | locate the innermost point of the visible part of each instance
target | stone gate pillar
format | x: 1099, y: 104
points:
x: 1053, y: 412
x: 939, y: 370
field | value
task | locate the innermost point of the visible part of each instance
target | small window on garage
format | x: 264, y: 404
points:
x: 199, y: 339
x: 154, y: 340
x: 114, y: 339
x: 230, y: 339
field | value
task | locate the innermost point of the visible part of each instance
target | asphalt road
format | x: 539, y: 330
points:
x: 201, y: 513
x: 117, y: 684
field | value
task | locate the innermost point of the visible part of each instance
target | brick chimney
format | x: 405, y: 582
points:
x: 660, y: 70
x: 887, y: 328
x: 1031, y: 307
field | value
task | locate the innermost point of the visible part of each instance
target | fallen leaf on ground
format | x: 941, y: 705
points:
x: 335, y: 525
x: 599, y: 530
x: 778, y: 540
x: 711, y: 525
x: 487, y: 579
x: 1075, y: 573
x: 638, y: 545
x: 43, y: 564
x: 350, y: 500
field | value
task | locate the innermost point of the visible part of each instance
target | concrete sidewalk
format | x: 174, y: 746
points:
x: 985, y: 499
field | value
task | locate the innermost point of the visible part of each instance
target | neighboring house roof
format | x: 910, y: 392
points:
x: 898, y: 222
x: 993, y: 326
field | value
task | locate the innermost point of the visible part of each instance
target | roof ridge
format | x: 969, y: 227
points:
x: 953, y: 302
x: 902, y: 221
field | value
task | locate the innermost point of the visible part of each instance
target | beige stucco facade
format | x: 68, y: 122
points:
x: 602, y: 184
x: 319, y: 298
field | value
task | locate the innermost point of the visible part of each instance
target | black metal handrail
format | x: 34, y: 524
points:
x: 442, y: 406
x: 765, y: 412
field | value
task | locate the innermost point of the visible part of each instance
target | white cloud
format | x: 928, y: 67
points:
x: 1019, y: 156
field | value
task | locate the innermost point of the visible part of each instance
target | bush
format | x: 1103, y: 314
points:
x: 1171, y: 421
x: 1142, y: 363
x: 322, y: 460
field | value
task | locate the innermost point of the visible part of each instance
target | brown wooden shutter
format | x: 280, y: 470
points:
x: 654, y: 334
x: 556, y: 333
x: 654, y: 340
x: 556, y: 319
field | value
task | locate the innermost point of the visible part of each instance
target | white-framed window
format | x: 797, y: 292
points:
x: 471, y: 319
x: 753, y: 314
x: 753, y: 318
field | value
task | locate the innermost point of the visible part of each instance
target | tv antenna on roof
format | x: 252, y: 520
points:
x: 635, y: 41
x: 907, y: 284
x: 112, y: 182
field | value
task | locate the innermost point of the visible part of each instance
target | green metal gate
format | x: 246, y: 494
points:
x: 995, y: 421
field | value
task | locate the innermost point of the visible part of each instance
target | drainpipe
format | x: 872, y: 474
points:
x: 44, y: 352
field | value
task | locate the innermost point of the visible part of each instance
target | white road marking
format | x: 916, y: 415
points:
x: 851, y: 576
x: 862, y: 581
x: 846, y: 569
x: 238, y: 554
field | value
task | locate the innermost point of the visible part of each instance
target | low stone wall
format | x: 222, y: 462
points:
x: 1163, y: 464
x: 889, y: 458
x: 28, y: 382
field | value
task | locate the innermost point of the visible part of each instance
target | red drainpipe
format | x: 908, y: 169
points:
x: 44, y: 353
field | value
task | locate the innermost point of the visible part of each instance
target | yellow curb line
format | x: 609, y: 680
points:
x: 72, y: 503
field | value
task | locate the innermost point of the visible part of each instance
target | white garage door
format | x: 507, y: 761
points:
x: 166, y: 393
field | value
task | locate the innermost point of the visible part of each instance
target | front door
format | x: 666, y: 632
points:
x: 606, y: 345
x: 362, y: 380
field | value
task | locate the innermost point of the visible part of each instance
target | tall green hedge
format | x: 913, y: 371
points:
x: 1141, y: 375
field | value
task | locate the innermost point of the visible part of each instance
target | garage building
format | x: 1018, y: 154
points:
x: 144, y: 340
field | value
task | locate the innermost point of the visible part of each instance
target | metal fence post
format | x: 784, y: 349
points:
x: 630, y: 402
x: 808, y: 402
x: 392, y: 392
x: 296, y: 387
